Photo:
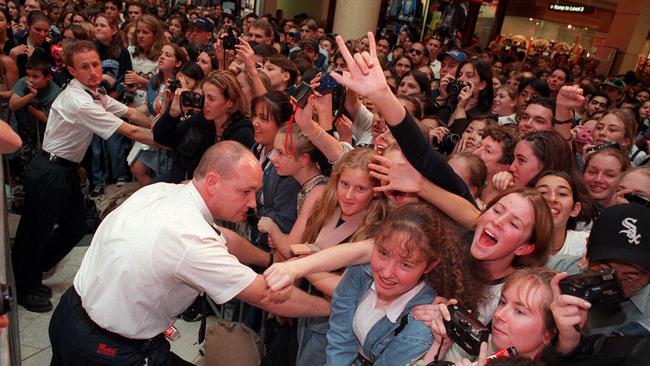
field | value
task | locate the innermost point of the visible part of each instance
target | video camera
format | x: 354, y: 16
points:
x: 467, y: 331
x: 192, y: 100
x: 597, y: 287
x: 230, y: 40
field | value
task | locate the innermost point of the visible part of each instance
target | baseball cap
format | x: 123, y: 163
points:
x: 622, y: 233
x: 615, y: 83
x: 457, y: 55
x: 203, y: 24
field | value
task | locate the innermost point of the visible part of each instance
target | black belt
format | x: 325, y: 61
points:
x: 135, y: 343
x: 364, y: 361
x: 58, y: 160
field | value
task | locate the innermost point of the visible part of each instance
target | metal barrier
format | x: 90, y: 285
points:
x: 10, y: 338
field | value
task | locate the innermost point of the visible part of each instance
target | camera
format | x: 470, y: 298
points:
x: 327, y: 84
x: 230, y: 40
x: 300, y: 95
x: 448, y: 143
x: 455, y: 86
x: 192, y: 100
x: 597, y: 287
x: 467, y: 331
x: 5, y: 299
x: 604, y: 146
x: 173, y: 84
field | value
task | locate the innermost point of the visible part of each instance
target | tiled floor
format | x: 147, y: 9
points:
x: 34, y: 340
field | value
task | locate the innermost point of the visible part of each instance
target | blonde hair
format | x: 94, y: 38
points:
x: 528, y: 282
x: 155, y: 26
x: 326, y: 205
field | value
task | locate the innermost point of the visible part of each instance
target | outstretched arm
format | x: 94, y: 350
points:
x: 281, y: 275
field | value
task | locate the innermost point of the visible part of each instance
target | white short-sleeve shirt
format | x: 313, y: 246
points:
x: 75, y: 116
x: 151, y: 257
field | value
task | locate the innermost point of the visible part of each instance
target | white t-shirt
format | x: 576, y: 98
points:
x: 144, y: 67
x: 575, y: 243
x: 75, y: 116
x: 151, y: 257
x: 362, y: 126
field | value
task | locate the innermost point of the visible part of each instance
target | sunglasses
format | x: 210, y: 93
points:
x: 417, y: 52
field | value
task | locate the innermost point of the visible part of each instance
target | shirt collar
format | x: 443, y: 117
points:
x: 395, y: 309
x: 640, y: 299
x: 198, y: 201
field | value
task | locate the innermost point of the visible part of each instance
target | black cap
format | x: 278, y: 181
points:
x: 621, y: 233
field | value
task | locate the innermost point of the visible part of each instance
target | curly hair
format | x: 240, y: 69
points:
x: 326, y: 205
x: 424, y: 228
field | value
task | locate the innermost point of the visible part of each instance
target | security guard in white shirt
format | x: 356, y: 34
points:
x: 52, y: 185
x: 153, y: 255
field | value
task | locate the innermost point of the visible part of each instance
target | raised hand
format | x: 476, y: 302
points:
x: 366, y: 76
x: 570, y: 97
x: 246, y: 54
x: 400, y: 176
x: 568, y: 312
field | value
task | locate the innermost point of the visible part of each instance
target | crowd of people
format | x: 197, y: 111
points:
x: 378, y: 183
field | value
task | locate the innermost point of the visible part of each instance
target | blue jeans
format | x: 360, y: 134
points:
x: 115, y: 147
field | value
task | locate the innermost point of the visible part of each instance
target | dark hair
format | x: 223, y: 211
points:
x: 424, y: 228
x: 76, y: 47
x: 566, y: 72
x: 179, y: 55
x: 600, y: 94
x: 539, y: 85
x: 181, y: 19
x: 279, y: 108
x: 420, y: 78
x: 507, y: 137
x: 579, y: 193
x: 117, y: 3
x: 552, y: 151
x: 264, y: 50
x: 477, y: 169
x: 192, y: 70
x: 138, y: 4
x: 37, y: 16
x: 285, y: 64
x: 484, y: 72
x: 39, y: 63
x: 417, y: 105
x: 544, y: 102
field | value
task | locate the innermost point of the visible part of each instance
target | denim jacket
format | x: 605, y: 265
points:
x: 382, y: 345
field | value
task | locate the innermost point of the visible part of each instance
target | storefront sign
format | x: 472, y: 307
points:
x: 568, y: 8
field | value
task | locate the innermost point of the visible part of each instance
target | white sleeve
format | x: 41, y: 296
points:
x: 362, y: 126
x: 113, y: 106
x: 92, y: 115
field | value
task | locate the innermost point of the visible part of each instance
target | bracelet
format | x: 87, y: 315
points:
x: 316, y: 133
x: 557, y: 122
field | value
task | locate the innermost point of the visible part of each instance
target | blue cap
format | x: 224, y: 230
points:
x: 457, y: 55
x: 204, y: 24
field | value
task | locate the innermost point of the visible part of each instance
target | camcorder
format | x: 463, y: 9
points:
x: 597, y: 287
x: 5, y: 299
x: 467, y: 331
x: 192, y: 100
x: 455, y: 87
x: 230, y: 40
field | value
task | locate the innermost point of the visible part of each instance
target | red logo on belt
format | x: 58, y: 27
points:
x: 105, y: 350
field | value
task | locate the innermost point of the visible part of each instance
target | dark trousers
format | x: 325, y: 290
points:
x: 52, y: 196
x: 77, y: 340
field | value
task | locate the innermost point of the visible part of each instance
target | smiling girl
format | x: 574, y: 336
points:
x: 417, y: 254
x: 603, y: 169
